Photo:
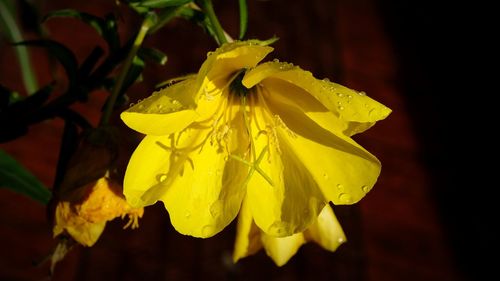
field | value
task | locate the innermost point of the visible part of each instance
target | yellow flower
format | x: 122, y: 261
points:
x: 85, y: 219
x: 325, y: 231
x: 271, y: 133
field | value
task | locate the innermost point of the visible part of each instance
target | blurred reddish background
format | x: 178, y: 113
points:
x: 406, y: 228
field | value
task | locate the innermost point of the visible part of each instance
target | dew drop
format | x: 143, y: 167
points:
x: 325, y: 176
x: 365, y: 188
x: 276, y: 60
x: 361, y: 93
x: 345, y: 198
x: 340, y: 187
x: 340, y: 240
x: 278, y: 228
x: 209, y: 54
x: 175, y: 102
x: 326, y: 80
x: 340, y: 95
x: 187, y: 215
x: 216, y: 209
x: 341, y: 107
x: 161, y: 177
x: 207, y: 230
x: 159, y: 106
x: 349, y: 96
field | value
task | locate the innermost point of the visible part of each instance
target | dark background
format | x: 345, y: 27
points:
x: 431, y: 214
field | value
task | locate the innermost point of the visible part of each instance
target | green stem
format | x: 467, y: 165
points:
x: 219, y: 32
x: 12, y: 32
x: 147, y: 23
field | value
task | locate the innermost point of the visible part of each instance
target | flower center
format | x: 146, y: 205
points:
x: 236, y: 85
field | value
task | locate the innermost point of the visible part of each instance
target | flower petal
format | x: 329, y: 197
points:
x: 248, y: 235
x: 326, y: 231
x: 164, y: 112
x: 358, y: 110
x: 282, y: 249
x: 230, y: 58
x: 202, y: 189
x: 293, y: 200
x: 342, y: 169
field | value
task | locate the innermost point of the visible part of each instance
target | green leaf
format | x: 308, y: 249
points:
x: 163, y: 3
x: 12, y: 32
x: 153, y: 55
x: 15, y: 177
x: 164, y: 16
x: 7, y: 97
x: 199, y: 18
x: 90, y: 62
x: 96, y: 22
x: 111, y: 32
x: 64, y: 55
x: 133, y: 74
x: 16, y: 117
x: 107, y: 27
x: 243, y: 18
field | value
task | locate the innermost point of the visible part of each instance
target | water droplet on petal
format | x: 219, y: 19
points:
x: 187, y: 215
x: 278, y: 228
x: 361, y: 93
x: 209, y: 54
x: 207, y: 230
x: 326, y: 80
x: 216, y: 209
x: 325, y: 176
x: 340, y: 95
x: 340, y: 240
x: 161, y: 177
x: 276, y: 60
x: 365, y: 188
x: 345, y: 198
x: 340, y: 187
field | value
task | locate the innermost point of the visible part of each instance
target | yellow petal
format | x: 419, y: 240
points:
x: 356, y: 109
x: 164, y: 112
x: 342, y: 169
x: 293, y: 200
x: 326, y: 231
x: 228, y: 59
x: 201, y: 188
x: 86, y: 233
x: 281, y: 249
x: 248, y: 235
x: 83, y: 231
